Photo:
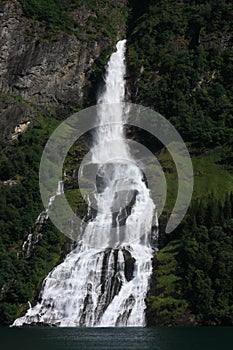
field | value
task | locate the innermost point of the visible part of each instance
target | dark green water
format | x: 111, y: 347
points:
x: 116, y: 338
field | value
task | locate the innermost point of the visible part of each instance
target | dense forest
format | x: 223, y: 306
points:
x: 179, y: 62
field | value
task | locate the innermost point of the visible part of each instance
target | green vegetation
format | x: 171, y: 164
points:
x: 211, y: 175
x: 180, y: 59
x: 191, y: 282
x: 207, y: 261
x: 100, y: 18
x: 20, y: 205
x: 95, y: 80
x: 208, y: 166
x: 51, y: 13
x: 165, y: 300
x: 71, y: 165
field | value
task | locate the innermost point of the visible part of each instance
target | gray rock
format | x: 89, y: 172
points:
x: 47, y: 73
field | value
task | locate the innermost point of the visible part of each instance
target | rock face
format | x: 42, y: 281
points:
x: 41, y: 73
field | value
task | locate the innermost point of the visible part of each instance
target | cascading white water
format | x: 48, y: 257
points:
x: 33, y: 238
x: 104, y: 280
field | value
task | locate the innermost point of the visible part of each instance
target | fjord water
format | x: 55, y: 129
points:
x: 116, y: 338
x: 104, y: 280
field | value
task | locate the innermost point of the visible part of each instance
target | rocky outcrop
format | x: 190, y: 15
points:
x: 209, y: 41
x: 9, y: 182
x: 42, y: 73
x: 19, y: 129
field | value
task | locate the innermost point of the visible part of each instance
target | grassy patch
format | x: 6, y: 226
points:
x: 210, y: 177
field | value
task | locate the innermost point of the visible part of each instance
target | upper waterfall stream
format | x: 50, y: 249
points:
x: 104, y: 280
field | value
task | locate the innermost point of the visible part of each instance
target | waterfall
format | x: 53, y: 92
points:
x: 104, y: 280
x: 34, y: 237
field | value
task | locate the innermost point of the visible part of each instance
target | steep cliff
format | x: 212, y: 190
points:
x: 44, y: 68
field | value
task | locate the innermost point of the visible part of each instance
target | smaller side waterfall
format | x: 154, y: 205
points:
x: 35, y: 235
